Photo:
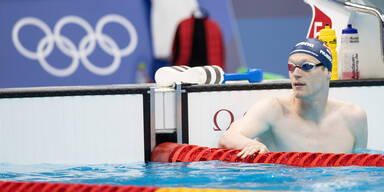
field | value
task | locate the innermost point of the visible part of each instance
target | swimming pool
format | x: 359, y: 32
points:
x: 209, y: 174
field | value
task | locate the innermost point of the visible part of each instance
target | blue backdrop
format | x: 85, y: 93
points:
x: 269, y: 29
x: 99, y: 42
x: 73, y: 42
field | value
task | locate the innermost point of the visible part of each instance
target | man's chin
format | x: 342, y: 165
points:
x: 300, y: 94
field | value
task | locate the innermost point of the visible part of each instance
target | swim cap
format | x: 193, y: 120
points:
x: 317, y: 49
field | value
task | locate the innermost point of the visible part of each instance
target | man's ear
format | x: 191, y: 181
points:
x: 329, y: 74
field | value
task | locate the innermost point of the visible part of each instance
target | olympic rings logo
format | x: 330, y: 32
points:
x: 86, y: 45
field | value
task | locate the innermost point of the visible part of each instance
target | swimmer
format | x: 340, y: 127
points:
x: 305, y: 121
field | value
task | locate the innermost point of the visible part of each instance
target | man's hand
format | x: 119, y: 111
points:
x: 251, y: 148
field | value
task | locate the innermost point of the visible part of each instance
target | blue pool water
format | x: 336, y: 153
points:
x: 213, y: 174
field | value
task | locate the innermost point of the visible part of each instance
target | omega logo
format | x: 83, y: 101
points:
x: 220, y: 119
x: 217, y: 127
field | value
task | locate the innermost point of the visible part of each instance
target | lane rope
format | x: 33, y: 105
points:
x: 11, y: 186
x: 174, y: 152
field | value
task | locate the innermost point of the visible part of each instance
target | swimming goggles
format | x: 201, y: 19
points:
x: 306, y: 66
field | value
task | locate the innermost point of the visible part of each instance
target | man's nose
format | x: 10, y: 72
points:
x: 298, y: 72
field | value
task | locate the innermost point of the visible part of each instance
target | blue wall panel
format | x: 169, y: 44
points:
x: 269, y: 29
x: 267, y: 41
x: 17, y: 69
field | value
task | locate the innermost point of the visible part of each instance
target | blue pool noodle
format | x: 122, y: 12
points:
x: 253, y: 75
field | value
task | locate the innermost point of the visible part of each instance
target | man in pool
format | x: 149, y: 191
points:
x: 305, y: 121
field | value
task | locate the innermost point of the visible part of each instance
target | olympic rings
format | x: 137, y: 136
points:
x: 86, y: 46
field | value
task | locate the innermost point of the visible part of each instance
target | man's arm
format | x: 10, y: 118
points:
x: 360, y: 128
x: 255, y: 122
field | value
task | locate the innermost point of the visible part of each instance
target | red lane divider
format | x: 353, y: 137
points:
x: 174, y: 152
x: 11, y: 186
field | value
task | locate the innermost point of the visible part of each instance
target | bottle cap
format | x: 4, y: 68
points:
x: 327, y: 31
x: 349, y: 30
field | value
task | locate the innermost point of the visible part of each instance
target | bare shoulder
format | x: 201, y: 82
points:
x: 270, y: 105
x: 357, y: 121
x: 350, y: 111
x: 258, y: 118
x: 354, y: 115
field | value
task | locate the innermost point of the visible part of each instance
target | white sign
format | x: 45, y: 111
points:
x: 210, y: 113
x: 72, y: 129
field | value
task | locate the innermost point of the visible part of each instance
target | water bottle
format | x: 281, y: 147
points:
x: 141, y: 74
x: 328, y: 36
x: 349, y: 56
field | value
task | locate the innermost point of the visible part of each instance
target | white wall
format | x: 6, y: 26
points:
x: 72, y: 129
x: 204, y: 105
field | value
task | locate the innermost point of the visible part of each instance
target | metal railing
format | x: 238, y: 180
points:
x: 370, y: 10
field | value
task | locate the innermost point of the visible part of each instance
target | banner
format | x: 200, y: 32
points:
x: 210, y: 113
x: 66, y: 43
x: 79, y: 129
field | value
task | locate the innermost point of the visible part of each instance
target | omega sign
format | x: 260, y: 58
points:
x: 222, y: 119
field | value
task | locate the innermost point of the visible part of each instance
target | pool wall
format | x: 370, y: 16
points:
x: 123, y: 123
x: 74, y: 125
x: 211, y: 109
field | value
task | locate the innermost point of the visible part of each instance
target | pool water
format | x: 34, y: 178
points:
x: 212, y: 174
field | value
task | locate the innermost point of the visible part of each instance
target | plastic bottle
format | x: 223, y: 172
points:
x: 328, y: 36
x: 349, y: 56
x: 141, y: 74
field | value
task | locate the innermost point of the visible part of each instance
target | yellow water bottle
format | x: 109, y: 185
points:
x: 328, y: 36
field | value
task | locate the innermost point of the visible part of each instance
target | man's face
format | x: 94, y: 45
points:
x: 307, y: 83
